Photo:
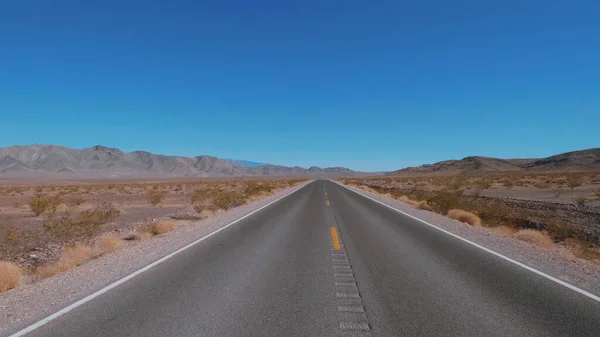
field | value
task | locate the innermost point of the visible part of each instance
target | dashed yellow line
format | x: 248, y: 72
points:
x: 335, y: 238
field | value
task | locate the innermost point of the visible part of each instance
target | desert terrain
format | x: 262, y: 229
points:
x: 40, y: 222
x: 546, y: 208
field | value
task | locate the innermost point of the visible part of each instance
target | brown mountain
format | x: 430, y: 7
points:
x: 584, y: 160
x: 101, y: 161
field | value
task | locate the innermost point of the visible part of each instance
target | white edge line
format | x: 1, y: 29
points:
x: 522, y: 265
x: 136, y: 273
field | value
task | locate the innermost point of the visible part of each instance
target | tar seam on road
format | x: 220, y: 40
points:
x: 352, y: 317
x: 522, y: 265
x: 136, y: 273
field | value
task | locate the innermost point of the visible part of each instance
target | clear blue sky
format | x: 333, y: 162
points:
x: 371, y: 85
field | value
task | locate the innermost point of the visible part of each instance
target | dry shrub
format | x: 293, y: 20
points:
x: 508, y: 183
x: 443, y: 202
x: 70, y: 258
x: 464, y: 216
x: 536, y: 237
x: 87, y: 223
x: 10, y: 276
x: 76, y: 201
x: 560, y: 231
x: 254, y: 188
x: 573, y: 182
x: 110, y: 243
x: 228, y: 199
x: 155, y: 196
x: 582, y: 249
x: 42, y: 203
x: 158, y: 228
x: 409, y: 201
x: 138, y: 236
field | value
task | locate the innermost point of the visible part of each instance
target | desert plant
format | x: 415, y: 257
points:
x: 443, y: 202
x: 110, y: 243
x: 10, y: 276
x: 157, y: 228
x: 560, y: 231
x: 508, y: 183
x: 228, y: 199
x: 536, y: 237
x: 76, y: 201
x: 71, y: 257
x: 464, y: 216
x: 87, y: 223
x: 42, y: 203
x: 11, y: 237
x: 573, y: 182
x: 155, y: 196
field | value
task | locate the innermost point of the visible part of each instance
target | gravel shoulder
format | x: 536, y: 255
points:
x: 32, y: 302
x: 558, y: 262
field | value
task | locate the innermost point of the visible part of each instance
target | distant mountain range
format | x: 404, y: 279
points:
x: 247, y: 163
x: 100, y: 161
x: 584, y: 160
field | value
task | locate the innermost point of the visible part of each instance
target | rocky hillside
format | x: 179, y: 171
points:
x: 101, y: 161
x: 584, y: 160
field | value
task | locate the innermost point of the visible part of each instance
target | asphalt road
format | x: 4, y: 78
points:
x: 325, y: 261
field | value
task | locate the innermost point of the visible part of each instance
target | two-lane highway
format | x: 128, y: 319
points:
x: 325, y: 261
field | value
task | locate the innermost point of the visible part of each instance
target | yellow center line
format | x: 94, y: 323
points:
x: 335, y: 239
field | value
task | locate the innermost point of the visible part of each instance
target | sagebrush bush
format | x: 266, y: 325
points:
x: 43, y: 203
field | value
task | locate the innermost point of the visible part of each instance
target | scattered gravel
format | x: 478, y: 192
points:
x: 558, y: 262
x: 32, y: 302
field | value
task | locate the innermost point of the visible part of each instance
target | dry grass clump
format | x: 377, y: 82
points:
x: 110, y: 243
x: 42, y: 203
x: 536, y: 237
x: 464, y: 216
x: 70, y: 258
x: 158, y: 228
x: 409, y: 201
x: 10, y: 276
